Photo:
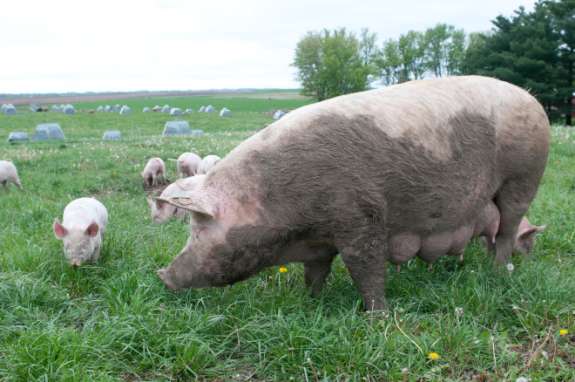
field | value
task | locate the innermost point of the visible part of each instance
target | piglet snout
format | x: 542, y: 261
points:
x: 75, y: 263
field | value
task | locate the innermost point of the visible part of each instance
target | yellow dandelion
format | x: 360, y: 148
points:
x: 563, y: 332
x: 283, y: 269
x: 433, y: 356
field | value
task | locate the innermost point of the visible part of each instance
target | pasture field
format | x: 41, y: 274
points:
x: 115, y: 321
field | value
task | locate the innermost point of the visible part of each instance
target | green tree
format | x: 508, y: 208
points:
x: 389, y: 63
x: 444, y: 50
x: 531, y: 50
x: 437, y: 47
x: 563, y: 24
x: 331, y: 63
x: 472, y: 55
x: 456, y: 52
x: 439, y: 51
x: 411, y: 48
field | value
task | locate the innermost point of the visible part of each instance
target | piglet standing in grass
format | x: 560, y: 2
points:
x: 82, y: 230
x: 526, y: 233
x: 9, y: 174
x: 208, y: 162
x: 487, y: 226
x: 188, y: 164
x: 161, y: 210
x: 154, y: 172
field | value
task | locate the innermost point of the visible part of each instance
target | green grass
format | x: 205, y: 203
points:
x: 250, y: 102
x: 115, y: 321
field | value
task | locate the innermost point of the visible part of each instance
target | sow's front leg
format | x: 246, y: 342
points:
x: 315, y: 273
x: 317, y: 258
x: 365, y: 259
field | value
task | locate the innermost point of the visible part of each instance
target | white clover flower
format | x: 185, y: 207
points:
x: 510, y: 267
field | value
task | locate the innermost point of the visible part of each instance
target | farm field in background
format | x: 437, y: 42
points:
x: 115, y: 321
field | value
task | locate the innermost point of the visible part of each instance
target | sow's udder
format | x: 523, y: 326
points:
x: 405, y: 246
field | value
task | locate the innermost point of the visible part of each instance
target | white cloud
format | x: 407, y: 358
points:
x: 65, y: 45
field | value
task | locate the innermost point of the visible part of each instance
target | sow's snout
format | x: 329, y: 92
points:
x: 166, y: 279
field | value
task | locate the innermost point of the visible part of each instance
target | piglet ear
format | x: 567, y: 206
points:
x: 59, y: 229
x: 92, y: 230
x: 540, y: 228
x: 531, y: 231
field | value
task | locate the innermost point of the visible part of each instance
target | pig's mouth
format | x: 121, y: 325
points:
x: 163, y: 275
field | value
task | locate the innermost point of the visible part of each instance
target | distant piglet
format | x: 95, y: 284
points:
x: 208, y: 162
x: 82, y: 230
x: 9, y: 174
x: 154, y: 172
x: 162, y: 211
x: 188, y: 164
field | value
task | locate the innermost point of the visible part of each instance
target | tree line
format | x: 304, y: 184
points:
x: 534, y: 50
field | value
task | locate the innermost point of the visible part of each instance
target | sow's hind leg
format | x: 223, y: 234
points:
x: 513, y: 200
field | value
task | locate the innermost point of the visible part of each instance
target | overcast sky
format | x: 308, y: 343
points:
x: 122, y: 45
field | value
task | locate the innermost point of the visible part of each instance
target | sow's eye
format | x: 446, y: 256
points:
x: 201, y: 224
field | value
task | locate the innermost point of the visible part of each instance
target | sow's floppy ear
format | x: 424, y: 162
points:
x: 189, y: 196
x: 59, y: 230
x: 158, y: 201
x: 151, y: 199
x: 195, y: 202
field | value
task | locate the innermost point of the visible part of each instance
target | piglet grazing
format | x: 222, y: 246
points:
x: 208, y: 162
x: 525, y: 238
x: 188, y: 164
x: 9, y: 174
x: 162, y: 211
x: 487, y: 227
x: 154, y: 172
x: 82, y: 230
